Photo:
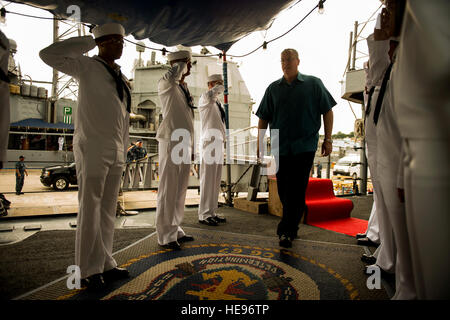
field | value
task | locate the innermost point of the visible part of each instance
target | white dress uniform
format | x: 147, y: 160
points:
x: 174, y: 175
x: 389, y: 148
x: 212, y: 139
x: 378, y: 63
x: 100, y: 144
x: 4, y: 98
x: 373, y: 228
x: 422, y: 106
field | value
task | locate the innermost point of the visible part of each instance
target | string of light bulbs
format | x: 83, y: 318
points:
x: 265, y: 43
x: 164, y: 51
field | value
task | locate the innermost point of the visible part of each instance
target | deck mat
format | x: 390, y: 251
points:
x: 229, y: 266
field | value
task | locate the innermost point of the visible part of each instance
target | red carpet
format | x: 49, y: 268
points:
x: 349, y: 226
x: 326, y: 211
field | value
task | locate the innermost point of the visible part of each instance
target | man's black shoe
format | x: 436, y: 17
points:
x: 285, y: 242
x: 366, y: 242
x: 369, y: 259
x: 115, y: 274
x: 361, y: 235
x: 209, y: 222
x: 219, y: 219
x: 186, y: 238
x: 174, y: 245
x: 94, y: 282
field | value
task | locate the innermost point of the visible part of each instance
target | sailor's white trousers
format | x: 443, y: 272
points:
x: 385, y: 253
x: 173, y: 183
x: 427, y: 197
x: 210, y: 178
x: 99, y: 173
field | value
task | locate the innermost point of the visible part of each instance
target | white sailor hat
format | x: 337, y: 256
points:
x: 178, y: 55
x: 108, y: 29
x: 215, y: 77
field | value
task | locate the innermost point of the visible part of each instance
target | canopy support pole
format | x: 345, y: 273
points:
x: 229, y: 200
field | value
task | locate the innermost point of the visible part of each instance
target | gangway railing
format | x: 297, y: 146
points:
x: 137, y: 175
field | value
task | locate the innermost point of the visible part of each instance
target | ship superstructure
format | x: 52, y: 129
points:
x: 42, y: 128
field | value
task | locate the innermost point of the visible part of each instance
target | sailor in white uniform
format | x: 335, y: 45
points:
x: 422, y: 106
x: 100, y: 144
x: 372, y: 232
x: 378, y: 63
x: 4, y: 98
x: 389, y: 148
x: 212, y: 116
x: 175, y: 136
x: 388, y: 160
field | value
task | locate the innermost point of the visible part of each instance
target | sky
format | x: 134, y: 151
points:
x: 322, y: 41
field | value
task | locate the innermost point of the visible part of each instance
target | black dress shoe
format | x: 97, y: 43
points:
x: 174, y: 245
x: 94, y: 282
x: 285, y: 242
x: 369, y: 259
x: 219, y: 219
x: 115, y: 274
x: 209, y: 222
x: 185, y: 238
x: 361, y: 235
x: 366, y: 242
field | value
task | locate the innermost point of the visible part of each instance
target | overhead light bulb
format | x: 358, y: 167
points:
x: 321, y: 8
x: 3, y: 15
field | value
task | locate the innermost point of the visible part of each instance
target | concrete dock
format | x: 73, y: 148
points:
x: 39, y: 200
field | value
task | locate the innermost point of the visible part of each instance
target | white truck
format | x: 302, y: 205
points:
x: 349, y: 166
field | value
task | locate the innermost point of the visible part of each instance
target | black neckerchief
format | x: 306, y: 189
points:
x: 386, y: 77
x: 369, y: 101
x: 222, y: 112
x: 188, y: 96
x: 120, y: 84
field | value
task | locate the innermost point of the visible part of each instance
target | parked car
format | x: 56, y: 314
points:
x: 349, y: 166
x: 60, y: 177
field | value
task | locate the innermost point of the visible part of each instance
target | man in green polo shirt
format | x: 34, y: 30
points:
x: 293, y: 106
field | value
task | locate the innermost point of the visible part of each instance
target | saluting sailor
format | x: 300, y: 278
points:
x: 212, y: 116
x: 100, y: 144
x: 378, y: 45
x: 389, y: 147
x: 372, y: 233
x: 175, y: 136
